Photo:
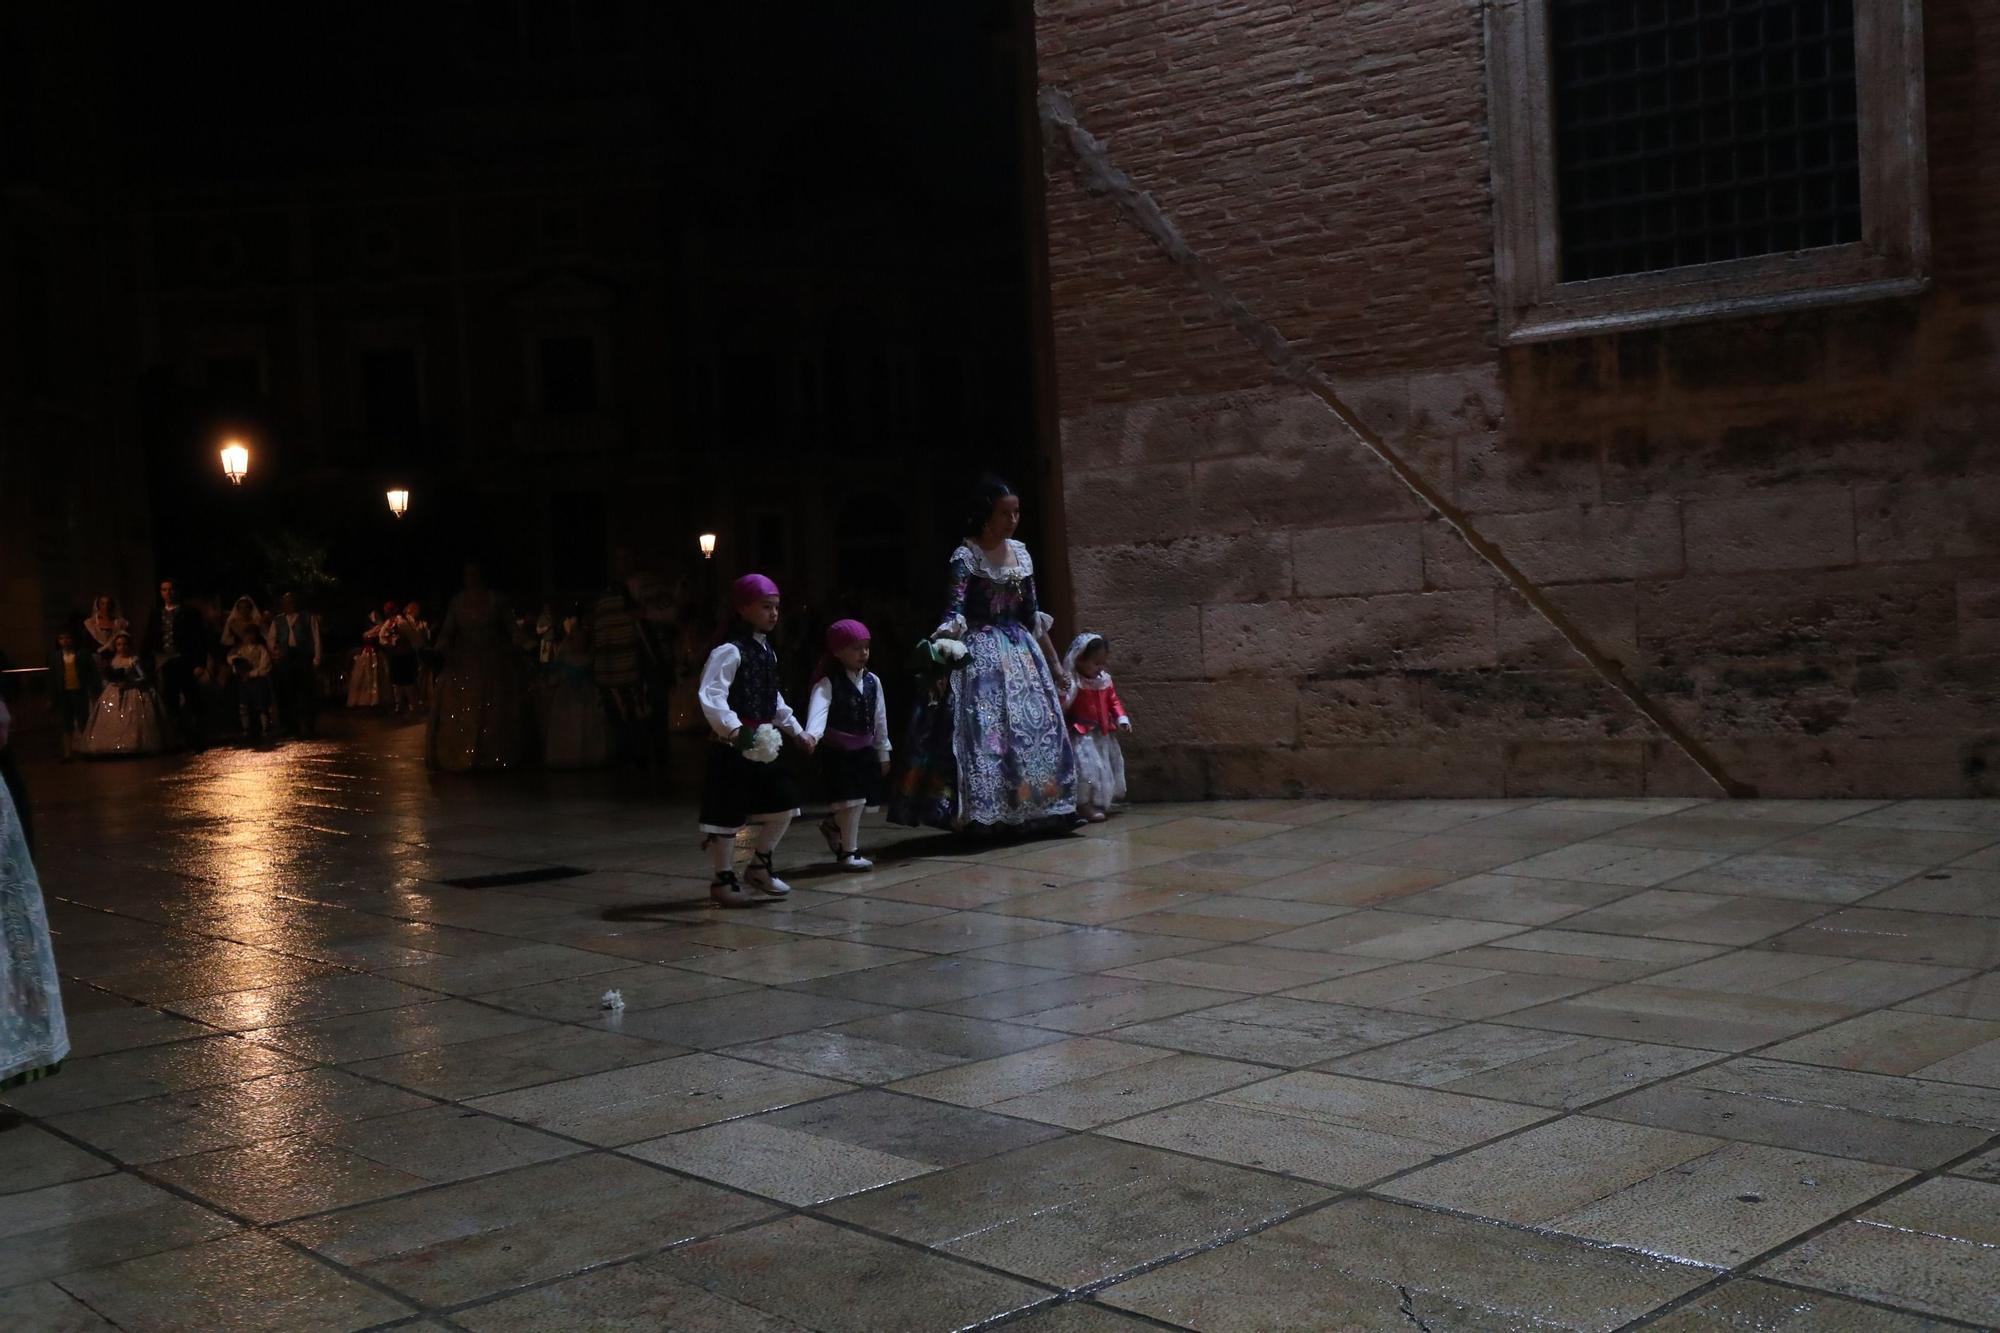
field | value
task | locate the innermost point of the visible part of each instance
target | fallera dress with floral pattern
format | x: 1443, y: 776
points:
x: 33, y: 1037
x: 995, y: 750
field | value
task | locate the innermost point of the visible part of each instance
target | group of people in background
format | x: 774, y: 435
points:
x: 1004, y: 731
x: 391, y: 667
x: 580, y: 686
x: 182, y: 679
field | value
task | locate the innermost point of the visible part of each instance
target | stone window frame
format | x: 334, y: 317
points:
x: 1892, y: 258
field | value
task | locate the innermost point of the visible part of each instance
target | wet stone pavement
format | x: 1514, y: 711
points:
x: 1446, y: 1065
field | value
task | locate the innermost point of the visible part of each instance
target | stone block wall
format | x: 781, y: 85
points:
x: 1786, y: 528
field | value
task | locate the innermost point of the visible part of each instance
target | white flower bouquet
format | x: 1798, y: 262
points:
x: 935, y: 657
x: 760, y: 746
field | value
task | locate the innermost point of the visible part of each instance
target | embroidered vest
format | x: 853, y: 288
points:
x: 753, y: 695
x: 851, y: 711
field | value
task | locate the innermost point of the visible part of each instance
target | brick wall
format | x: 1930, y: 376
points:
x: 1787, y: 528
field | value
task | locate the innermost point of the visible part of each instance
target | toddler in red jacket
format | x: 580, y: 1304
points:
x: 1096, y: 717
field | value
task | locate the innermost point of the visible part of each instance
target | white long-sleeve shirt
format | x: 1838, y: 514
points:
x: 821, y: 704
x: 717, y: 675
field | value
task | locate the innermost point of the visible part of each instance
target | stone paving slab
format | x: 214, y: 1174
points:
x: 1246, y: 1065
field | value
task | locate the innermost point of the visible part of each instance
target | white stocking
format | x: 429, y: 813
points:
x: 849, y: 818
x: 771, y: 831
x: 721, y: 852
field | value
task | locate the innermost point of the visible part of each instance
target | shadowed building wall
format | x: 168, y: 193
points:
x: 1785, y: 526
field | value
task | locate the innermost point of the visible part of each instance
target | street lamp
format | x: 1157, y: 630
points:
x: 399, y: 502
x: 235, y: 461
x: 707, y: 540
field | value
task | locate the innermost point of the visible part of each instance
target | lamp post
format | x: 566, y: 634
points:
x: 399, y: 502
x: 235, y: 461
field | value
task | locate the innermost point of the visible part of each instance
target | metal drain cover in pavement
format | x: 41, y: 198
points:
x: 535, y: 875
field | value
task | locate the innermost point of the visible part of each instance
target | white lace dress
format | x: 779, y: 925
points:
x: 33, y: 1036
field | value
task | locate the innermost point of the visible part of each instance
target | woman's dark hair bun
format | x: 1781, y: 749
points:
x: 988, y: 491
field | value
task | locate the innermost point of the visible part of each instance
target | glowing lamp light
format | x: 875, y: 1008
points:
x: 707, y: 540
x: 235, y: 461
x: 399, y: 502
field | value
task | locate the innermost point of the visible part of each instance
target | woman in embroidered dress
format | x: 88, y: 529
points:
x: 33, y: 1038
x: 991, y: 749
x: 127, y: 718
x: 368, y: 684
x: 477, y: 721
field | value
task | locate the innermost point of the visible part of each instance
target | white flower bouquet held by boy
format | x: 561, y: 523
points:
x: 760, y: 745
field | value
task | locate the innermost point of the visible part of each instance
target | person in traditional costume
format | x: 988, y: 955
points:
x: 848, y: 721
x: 398, y: 644
x: 33, y: 1036
x: 251, y: 664
x: 73, y: 685
x: 747, y: 716
x: 989, y: 748
x: 1096, y: 717
x: 294, y: 639
x: 477, y: 721
x: 368, y: 684
x: 127, y: 718
x: 415, y: 632
x: 103, y: 624
x: 576, y: 733
x: 242, y: 616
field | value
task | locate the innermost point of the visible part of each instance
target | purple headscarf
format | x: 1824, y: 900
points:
x: 746, y: 592
x: 840, y: 635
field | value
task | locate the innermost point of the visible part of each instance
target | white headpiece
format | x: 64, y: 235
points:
x: 1077, y: 648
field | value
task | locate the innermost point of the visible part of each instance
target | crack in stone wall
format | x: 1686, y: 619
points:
x: 1103, y: 176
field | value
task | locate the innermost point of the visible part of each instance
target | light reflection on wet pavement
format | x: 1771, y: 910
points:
x: 1255, y: 1065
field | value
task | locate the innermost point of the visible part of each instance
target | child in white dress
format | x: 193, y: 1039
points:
x: 1096, y: 717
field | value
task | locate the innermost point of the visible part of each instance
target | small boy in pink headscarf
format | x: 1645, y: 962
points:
x: 846, y: 717
x: 739, y: 697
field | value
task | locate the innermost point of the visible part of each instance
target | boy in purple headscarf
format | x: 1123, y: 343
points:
x: 846, y: 717
x: 740, y: 698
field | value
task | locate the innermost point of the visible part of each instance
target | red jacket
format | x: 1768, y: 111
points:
x: 1095, y: 708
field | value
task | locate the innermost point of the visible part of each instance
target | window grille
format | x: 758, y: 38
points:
x: 1696, y: 131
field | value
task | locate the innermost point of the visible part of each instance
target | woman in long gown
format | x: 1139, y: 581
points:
x: 993, y: 751
x: 575, y: 733
x: 368, y: 684
x: 33, y: 1036
x: 127, y: 718
x: 476, y: 712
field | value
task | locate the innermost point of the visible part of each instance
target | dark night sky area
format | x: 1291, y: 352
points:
x: 768, y: 196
